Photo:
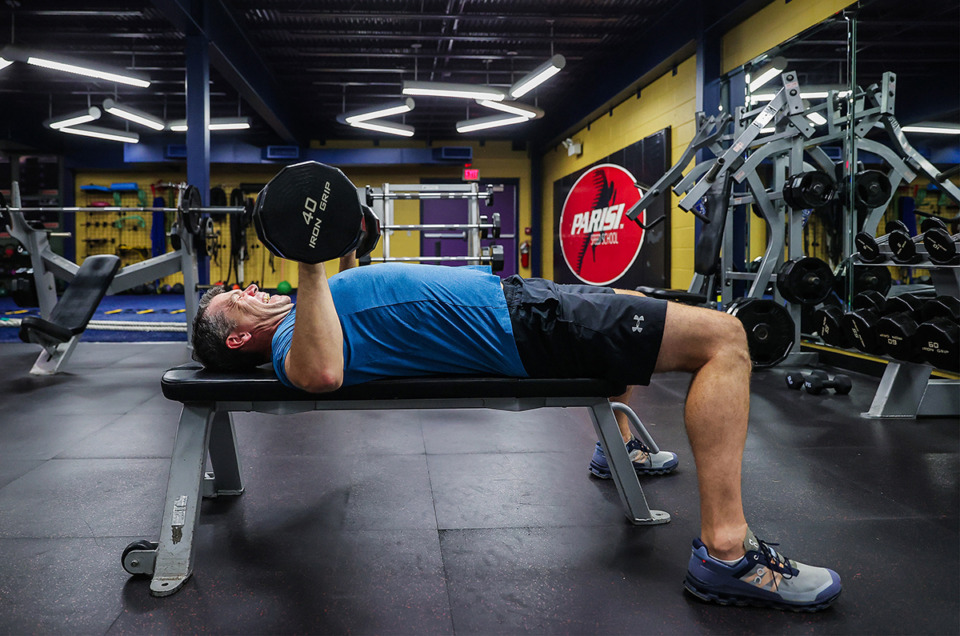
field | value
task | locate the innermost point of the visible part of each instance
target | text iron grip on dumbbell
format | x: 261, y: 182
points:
x: 311, y: 213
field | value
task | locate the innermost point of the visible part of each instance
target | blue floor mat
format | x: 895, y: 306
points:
x: 126, y: 308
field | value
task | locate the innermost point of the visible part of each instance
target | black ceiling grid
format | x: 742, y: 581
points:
x: 307, y: 62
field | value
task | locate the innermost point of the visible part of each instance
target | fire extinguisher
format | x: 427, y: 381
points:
x: 525, y: 254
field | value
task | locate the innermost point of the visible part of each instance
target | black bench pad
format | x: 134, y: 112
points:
x: 193, y: 383
x: 80, y: 300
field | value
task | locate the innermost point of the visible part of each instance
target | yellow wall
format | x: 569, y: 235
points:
x: 668, y: 102
x: 495, y: 160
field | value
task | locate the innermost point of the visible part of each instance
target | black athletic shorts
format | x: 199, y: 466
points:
x: 576, y: 331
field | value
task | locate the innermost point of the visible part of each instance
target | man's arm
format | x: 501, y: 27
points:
x: 315, y: 360
x: 349, y: 261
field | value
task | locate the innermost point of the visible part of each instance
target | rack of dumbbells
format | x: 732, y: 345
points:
x: 918, y: 333
x: 477, y: 226
x: 779, y: 139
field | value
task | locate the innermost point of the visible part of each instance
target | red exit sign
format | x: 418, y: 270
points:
x: 471, y: 174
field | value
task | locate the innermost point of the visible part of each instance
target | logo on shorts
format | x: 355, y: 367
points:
x: 637, y: 326
x: 598, y: 242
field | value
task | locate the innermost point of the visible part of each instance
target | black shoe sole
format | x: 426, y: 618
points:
x: 690, y: 584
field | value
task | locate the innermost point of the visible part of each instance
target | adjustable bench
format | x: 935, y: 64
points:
x: 59, y: 334
x: 206, y: 426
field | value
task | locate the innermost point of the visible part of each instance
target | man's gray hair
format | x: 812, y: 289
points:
x: 210, y: 331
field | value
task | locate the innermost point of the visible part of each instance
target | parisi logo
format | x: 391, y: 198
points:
x: 600, y: 220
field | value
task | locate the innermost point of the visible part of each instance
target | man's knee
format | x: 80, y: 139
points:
x: 694, y: 336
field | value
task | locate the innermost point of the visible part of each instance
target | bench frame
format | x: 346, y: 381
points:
x: 207, y: 427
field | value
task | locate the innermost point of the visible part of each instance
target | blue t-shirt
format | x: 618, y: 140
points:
x: 409, y: 320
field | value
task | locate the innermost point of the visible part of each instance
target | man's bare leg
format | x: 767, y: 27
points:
x: 712, y: 345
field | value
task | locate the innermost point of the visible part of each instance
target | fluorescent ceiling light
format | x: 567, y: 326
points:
x: 72, y: 65
x: 4, y: 63
x: 103, y: 133
x: 132, y: 114
x: 481, y: 123
x: 514, y: 108
x: 817, y: 118
x: 73, y: 119
x: 767, y: 72
x: 385, y: 126
x: 449, y: 89
x: 933, y: 128
x: 537, y: 76
x: 766, y: 97
x: 216, y: 123
x: 376, y: 112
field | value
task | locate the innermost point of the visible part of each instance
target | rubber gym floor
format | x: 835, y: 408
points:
x: 461, y: 521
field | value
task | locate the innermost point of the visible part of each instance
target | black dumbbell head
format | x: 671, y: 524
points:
x: 369, y: 232
x: 309, y: 212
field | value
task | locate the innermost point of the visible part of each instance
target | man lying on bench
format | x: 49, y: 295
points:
x: 395, y: 320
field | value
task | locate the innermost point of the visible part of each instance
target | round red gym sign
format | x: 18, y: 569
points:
x: 599, y: 243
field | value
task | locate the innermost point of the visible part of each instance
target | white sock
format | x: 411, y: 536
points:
x: 730, y: 563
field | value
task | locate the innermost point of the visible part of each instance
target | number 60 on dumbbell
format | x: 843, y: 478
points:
x: 311, y: 213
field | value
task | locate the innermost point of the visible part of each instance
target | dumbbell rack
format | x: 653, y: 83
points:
x: 907, y: 389
x: 382, y: 199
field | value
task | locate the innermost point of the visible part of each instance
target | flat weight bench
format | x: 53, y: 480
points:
x: 206, y: 426
x: 60, y: 334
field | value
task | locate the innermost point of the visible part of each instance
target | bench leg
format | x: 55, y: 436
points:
x: 181, y: 510
x: 621, y: 468
x: 53, y: 357
x: 226, y: 478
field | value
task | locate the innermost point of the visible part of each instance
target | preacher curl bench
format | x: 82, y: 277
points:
x: 206, y: 426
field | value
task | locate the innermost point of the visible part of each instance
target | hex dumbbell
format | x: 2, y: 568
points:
x: 936, y: 339
x: 903, y: 247
x: 311, y: 213
x: 868, y: 247
x: 896, y: 332
x: 816, y: 382
x: 942, y: 247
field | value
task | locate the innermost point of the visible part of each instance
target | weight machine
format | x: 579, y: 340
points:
x: 189, y: 236
x: 780, y: 134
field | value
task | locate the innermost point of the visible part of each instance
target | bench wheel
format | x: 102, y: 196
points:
x: 134, y: 563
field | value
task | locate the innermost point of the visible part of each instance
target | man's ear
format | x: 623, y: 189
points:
x: 237, y: 339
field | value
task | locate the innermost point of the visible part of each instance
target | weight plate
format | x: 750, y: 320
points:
x: 805, y: 281
x: 770, y: 329
x: 808, y: 190
x: 872, y: 188
x: 190, y: 202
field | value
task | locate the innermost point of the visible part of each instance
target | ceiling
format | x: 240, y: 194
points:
x: 294, y: 65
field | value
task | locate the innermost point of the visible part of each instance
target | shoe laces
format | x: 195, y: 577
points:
x: 775, y: 561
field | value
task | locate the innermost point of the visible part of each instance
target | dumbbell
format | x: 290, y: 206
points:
x: 868, y: 247
x: 311, y: 213
x: 819, y: 381
x: 942, y: 247
x: 859, y: 324
x: 903, y: 247
x: 826, y: 322
x: 795, y: 380
x: 896, y: 329
x: 936, y: 339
